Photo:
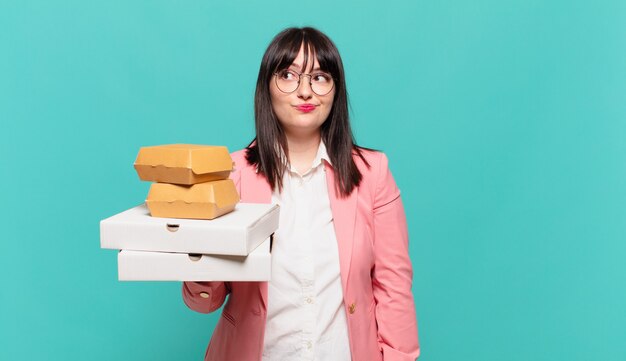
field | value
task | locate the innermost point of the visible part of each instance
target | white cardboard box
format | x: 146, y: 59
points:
x: 236, y: 233
x: 162, y: 266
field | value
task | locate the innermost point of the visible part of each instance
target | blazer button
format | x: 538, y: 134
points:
x: 204, y: 295
x: 352, y: 308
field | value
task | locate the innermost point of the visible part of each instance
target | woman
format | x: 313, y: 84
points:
x: 341, y: 274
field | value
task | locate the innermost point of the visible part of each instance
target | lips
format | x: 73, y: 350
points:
x: 305, y: 108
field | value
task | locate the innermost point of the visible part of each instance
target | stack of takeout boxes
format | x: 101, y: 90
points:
x: 192, y: 227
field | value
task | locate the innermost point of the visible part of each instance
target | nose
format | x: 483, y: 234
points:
x: 304, y: 88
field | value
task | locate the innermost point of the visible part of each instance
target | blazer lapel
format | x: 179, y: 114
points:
x: 344, y: 217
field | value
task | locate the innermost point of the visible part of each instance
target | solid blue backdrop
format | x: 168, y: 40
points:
x: 504, y: 123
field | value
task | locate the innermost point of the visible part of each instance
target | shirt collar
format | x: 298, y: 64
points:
x: 321, y: 155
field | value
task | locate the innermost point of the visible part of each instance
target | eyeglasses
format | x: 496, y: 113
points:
x: 288, y: 81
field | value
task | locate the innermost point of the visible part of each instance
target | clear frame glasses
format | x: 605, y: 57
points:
x: 288, y: 81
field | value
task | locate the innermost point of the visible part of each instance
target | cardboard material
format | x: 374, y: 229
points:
x: 199, y: 201
x: 236, y: 233
x: 160, y: 266
x: 183, y: 163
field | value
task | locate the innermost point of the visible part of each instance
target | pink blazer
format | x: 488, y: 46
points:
x: 376, y: 272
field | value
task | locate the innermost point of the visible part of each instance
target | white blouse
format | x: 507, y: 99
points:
x: 306, y: 319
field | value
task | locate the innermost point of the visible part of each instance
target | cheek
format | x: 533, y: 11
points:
x: 327, y: 111
x: 273, y: 96
x: 280, y: 106
x: 328, y: 106
x: 276, y: 98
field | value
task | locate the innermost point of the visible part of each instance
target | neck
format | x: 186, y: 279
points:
x: 302, y: 150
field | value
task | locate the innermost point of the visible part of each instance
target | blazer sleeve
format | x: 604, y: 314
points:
x: 392, y: 275
x: 206, y: 297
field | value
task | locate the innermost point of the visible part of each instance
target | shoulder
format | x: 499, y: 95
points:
x: 239, y: 163
x: 371, y: 163
x: 377, y: 177
x: 239, y: 159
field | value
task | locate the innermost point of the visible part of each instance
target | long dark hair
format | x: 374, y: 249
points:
x: 335, y: 131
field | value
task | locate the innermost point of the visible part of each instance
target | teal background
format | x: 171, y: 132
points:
x: 504, y: 122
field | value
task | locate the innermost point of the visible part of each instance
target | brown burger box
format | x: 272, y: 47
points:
x: 207, y: 200
x: 183, y: 163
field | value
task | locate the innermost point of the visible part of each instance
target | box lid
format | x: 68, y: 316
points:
x: 200, y: 159
x: 236, y: 233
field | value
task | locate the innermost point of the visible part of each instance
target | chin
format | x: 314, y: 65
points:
x: 303, y: 128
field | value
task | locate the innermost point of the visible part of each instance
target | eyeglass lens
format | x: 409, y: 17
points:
x: 288, y: 81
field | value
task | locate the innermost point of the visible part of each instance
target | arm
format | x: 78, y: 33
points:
x: 392, y: 274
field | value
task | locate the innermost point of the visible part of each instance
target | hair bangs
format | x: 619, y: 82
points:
x: 287, y: 51
x: 318, y: 47
x: 313, y: 46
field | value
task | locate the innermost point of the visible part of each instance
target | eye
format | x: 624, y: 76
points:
x: 321, y: 78
x: 287, y: 75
